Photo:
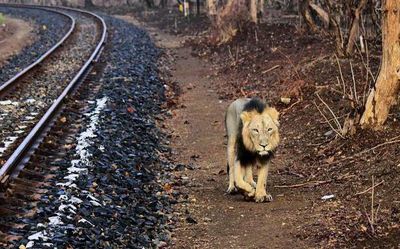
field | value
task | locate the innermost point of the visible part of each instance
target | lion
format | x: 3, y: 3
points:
x: 253, y: 136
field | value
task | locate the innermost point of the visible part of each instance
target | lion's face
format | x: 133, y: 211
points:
x: 260, y: 131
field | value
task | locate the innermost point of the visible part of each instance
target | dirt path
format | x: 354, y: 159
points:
x: 224, y: 221
x: 14, y: 36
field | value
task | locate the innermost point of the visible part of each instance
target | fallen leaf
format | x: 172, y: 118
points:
x: 330, y: 159
x: 130, y: 109
x: 63, y: 119
x: 167, y: 187
x: 363, y: 228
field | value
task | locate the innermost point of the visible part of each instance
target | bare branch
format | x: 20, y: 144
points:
x: 327, y: 121
x: 341, y: 74
x: 331, y: 111
x: 354, y: 83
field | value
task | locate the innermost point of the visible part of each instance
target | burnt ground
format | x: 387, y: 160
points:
x: 279, y: 60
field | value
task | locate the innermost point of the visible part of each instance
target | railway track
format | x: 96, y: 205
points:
x: 30, y: 103
x: 33, y: 96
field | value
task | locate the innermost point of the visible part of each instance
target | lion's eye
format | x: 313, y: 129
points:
x: 255, y: 130
x: 269, y: 130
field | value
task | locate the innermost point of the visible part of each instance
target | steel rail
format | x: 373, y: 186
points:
x: 22, y: 151
x: 10, y: 83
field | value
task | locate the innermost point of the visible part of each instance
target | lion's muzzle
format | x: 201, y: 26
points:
x: 263, y: 152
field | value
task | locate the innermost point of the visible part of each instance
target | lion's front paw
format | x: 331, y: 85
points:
x: 263, y: 198
x: 250, y: 194
x: 231, y: 190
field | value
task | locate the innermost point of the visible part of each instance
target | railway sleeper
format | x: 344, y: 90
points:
x: 30, y: 197
x: 26, y: 189
x: 31, y: 175
x: 9, y: 211
x: 6, y: 238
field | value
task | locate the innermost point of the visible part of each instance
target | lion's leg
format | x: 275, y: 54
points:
x: 240, y: 183
x: 261, y: 192
x: 231, y: 162
x: 248, y: 176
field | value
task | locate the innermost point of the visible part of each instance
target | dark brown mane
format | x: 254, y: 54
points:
x: 255, y: 104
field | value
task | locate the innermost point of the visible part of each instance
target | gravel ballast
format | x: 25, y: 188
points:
x: 109, y: 191
x: 49, y: 28
x: 24, y: 106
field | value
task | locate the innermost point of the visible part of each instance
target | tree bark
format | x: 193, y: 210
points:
x: 321, y: 13
x: 211, y: 9
x: 253, y: 10
x: 355, y: 27
x: 260, y: 10
x: 226, y: 25
x: 228, y: 20
x: 386, y: 89
x: 305, y: 12
x: 335, y: 26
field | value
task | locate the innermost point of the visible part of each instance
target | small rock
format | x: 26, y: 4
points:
x: 191, y: 220
x: 285, y: 100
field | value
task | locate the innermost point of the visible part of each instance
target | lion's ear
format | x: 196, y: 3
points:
x: 246, y: 116
x: 273, y: 113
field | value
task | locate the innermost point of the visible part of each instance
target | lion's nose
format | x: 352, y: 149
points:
x: 264, y: 145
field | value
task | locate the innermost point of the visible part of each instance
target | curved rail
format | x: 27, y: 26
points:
x: 34, y: 135
x: 8, y: 84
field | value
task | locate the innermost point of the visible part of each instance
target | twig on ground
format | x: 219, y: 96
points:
x: 271, y: 69
x: 312, y: 183
x: 370, y: 188
x: 290, y: 107
x: 379, y: 145
x: 393, y: 141
x: 315, y: 183
x: 291, y: 62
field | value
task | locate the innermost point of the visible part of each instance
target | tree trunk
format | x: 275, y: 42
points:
x: 321, y: 13
x: 150, y: 3
x: 260, y: 9
x: 211, y: 9
x: 355, y: 27
x: 305, y: 12
x: 253, y: 10
x: 230, y: 17
x: 386, y: 89
x: 334, y: 25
